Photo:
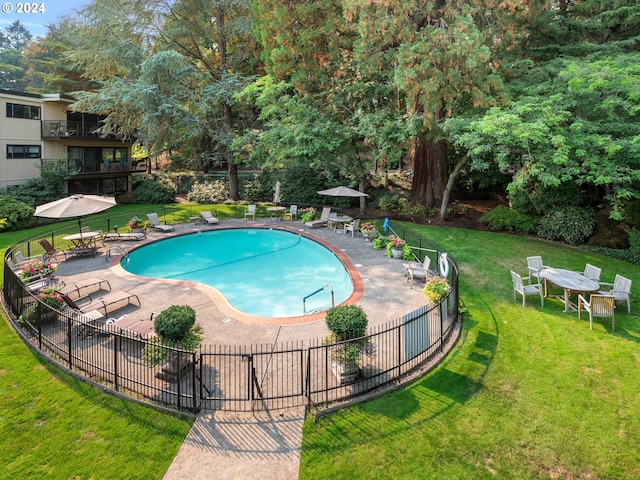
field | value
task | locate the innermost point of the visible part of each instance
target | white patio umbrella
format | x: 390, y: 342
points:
x: 75, y: 206
x: 276, y: 197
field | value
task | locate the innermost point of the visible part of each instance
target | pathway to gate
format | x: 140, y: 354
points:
x: 264, y: 444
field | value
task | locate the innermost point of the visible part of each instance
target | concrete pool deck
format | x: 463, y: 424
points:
x: 266, y: 444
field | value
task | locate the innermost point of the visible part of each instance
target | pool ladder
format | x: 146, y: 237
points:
x: 304, y: 300
x: 118, y: 250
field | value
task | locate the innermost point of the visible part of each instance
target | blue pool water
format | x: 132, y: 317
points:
x: 260, y: 272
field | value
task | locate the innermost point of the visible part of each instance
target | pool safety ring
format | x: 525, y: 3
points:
x: 443, y: 263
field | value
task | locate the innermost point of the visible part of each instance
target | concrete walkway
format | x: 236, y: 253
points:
x: 265, y: 444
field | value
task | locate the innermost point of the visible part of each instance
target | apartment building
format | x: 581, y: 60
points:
x: 39, y: 128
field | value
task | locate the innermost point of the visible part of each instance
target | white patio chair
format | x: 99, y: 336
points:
x: 592, y: 272
x: 602, y: 306
x: 417, y: 270
x: 620, y: 289
x: 208, y: 217
x: 353, y: 227
x: 535, y: 266
x: 251, y: 211
x: 528, y: 289
x: 291, y: 214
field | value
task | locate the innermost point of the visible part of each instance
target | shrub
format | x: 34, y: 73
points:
x: 631, y: 254
x: 308, y: 214
x: 347, y: 322
x: 173, y: 324
x: 260, y: 187
x: 149, y: 191
x: 505, y: 218
x: 572, y: 225
x: 19, y: 215
x: 392, y: 201
x: 209, y: 192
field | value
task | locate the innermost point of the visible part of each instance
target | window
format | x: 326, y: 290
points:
x: 15, y: 110
x: 23, y: 151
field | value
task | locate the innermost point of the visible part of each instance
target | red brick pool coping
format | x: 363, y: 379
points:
x: 221, y: 302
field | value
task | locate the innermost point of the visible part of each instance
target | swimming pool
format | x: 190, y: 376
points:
x: 260, y: 272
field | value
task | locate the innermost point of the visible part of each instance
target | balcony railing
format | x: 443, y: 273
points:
x: 56, y: 129
x: 93, y: 166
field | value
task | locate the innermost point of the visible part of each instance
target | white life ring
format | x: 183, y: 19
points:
x: 443, y: 263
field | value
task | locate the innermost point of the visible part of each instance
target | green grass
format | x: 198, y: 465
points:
x: 527, y: 393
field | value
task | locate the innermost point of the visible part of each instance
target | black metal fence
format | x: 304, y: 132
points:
x: 237, y: 378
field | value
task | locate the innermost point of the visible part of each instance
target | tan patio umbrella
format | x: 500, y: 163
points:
x: 343, y: 191
x: 75, y: 206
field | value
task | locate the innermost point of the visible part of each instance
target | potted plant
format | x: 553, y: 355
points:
x: 137, y: 224
x: 368, y: 230
x: 36, y: 269
x: 379, y: 242
x: 176, y: 329
x: 436, y: 289
x: 348, y: 341
x: 308, y: 214
x: 398, y: 248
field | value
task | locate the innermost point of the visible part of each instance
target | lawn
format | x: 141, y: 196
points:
x: 527, y: 393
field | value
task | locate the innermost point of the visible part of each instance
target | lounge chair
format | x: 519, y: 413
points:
x: 322, y: 221
x: 154, y: 223
x: 51, y: 252
x: 103, y: 303
x: 19, y: 259
x: 209, y: 218
x: 251, y: 211
x: 88, y: 283
x: 120, y: 236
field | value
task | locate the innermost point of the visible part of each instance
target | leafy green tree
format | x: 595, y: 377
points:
x: 12, y: 69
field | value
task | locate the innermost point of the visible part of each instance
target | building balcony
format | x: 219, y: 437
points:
x: 100, y: 167
x: 57, y: 129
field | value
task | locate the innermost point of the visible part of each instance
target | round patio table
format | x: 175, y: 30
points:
x: 570, y: 282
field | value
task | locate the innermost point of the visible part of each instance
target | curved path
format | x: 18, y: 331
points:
x: 264, y: 444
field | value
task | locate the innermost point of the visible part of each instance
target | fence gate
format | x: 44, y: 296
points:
x: 253, y: 380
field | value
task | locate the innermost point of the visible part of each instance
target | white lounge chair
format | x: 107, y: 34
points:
x: 88, y: 283
x: 322, y: 221
x: 154, y: 223
x: 209, y: 218
x: 602, y: 306
x: 620, y: 289
x: 524, y: 290
x: 251, y: 211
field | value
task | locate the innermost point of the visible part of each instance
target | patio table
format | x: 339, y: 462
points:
x: 337, y: 222
x: 570, y: 282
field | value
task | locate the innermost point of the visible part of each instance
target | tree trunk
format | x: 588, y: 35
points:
x: 430, y: 171
x: 449, y: 186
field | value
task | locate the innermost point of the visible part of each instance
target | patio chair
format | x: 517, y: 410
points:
x: 103, y: 303
x: 602, y: 306
x: 418, y: 270
x: 210, y: 219
x: 117, y: 236
x: 592, y: 272
x: 291, y: 214
x: 353, y: 227
x: 322, y: 221
x: 535, y: 266
x: 620, y: 289
x: 528, y: 289
x: 51, y: 252
x: 154, y: 222
x: 251, y: 211
x: 78, y: 287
